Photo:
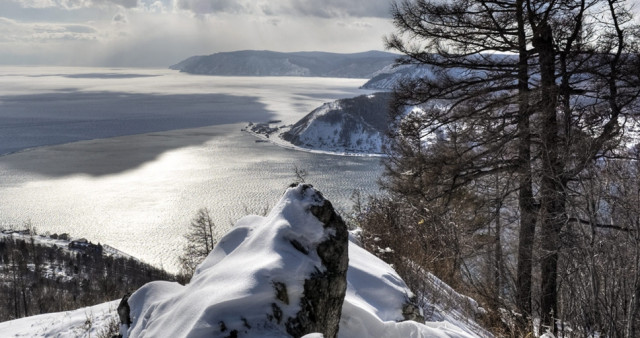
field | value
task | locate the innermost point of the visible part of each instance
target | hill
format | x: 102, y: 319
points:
x: 41, y: 274
x: 268, y: 63
x: 353, y: 125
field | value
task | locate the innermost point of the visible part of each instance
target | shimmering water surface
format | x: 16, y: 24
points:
x: 127, y: 156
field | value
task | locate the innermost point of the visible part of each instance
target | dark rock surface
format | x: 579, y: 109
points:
x: 124, y: 310
x: 324, y: 291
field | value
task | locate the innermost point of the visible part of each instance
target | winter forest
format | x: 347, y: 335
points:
x: 516, y: 178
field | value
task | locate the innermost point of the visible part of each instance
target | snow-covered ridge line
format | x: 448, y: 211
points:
x: 62, y: 241
x: 233, y: 292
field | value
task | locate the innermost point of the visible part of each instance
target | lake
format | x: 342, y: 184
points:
x: 126, y: 157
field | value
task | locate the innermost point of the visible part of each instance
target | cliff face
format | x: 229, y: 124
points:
x: 355, y: 125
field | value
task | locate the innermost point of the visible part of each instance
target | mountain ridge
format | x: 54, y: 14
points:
x: 271, y: 63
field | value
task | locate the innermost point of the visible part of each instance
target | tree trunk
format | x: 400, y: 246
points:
x: 525, y: 193
x: 551, y: 186
x: 497, y: 269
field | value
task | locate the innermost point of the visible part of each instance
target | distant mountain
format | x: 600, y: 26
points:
x: 267, y: 63
x: 354, y: 125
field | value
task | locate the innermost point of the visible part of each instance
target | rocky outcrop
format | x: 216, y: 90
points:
x: 324, y: 291
x: 283, y: 275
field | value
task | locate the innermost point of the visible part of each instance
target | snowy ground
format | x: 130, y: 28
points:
x: 53, y: 270
x: 46, y: 240
x: 233, y: 289
x: 234, y: 285
x: 86, y: 322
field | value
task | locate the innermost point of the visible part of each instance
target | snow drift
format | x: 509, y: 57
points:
x: 233, y: 292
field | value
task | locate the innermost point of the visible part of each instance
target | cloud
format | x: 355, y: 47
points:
x: 25, y: 33
x: 295, y: 8
x: 159, y: 33
x: 119, y: 18
x: 211, y: 6
x: 342, y: 8
x: 82, y: 29
x: 74, y: 4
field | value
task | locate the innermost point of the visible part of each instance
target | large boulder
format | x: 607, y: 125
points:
x: 284, y: 275
x: 324, y: 290
x: 276, y: 276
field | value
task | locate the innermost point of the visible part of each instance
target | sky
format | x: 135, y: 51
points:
x: 159, y: 33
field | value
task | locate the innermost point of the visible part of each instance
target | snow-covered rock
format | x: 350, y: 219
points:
x: 234, y: 290
x: 354, y: 125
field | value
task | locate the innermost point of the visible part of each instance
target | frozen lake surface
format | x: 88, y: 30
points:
x: 127, y: 156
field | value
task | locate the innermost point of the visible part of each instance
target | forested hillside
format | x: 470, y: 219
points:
x: 41, y: 274
x: 517, y: 178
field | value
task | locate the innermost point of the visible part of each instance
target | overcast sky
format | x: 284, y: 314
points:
x: 158, y: 33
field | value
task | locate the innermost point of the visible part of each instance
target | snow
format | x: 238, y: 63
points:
x: 388, y: 77
x: 234, y: 285
x: 84, y: 322
x: 54, y: 270
x: 46, y: 240
x: 348, y: 126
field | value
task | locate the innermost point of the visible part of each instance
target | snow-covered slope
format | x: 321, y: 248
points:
x: 62, y: 242
x: 267, y: 63
x: 355, y: 125
x: 388, y: 77
x: 92, y: 321
x: 232, y: 287
x: 232, y: 290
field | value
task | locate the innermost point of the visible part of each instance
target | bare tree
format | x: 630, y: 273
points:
x: 201, y: 238
x: 300, y: 174
x: 535, y: 88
